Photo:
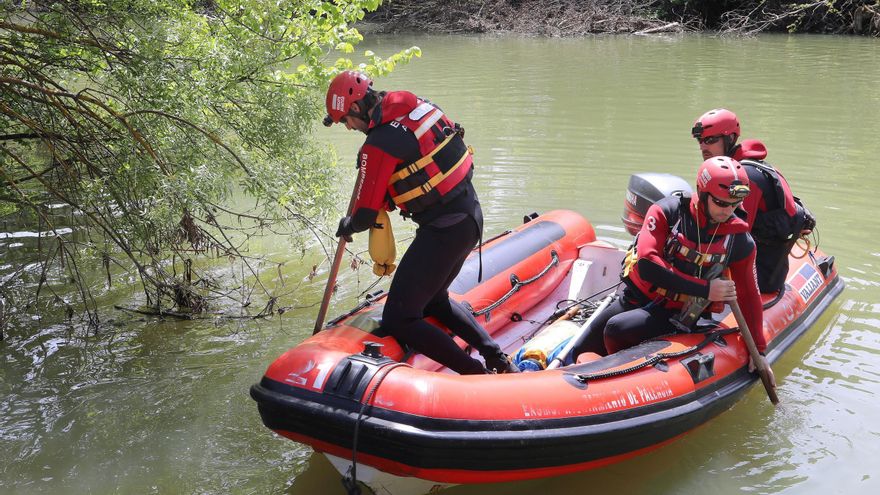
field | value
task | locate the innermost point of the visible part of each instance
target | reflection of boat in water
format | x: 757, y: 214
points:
x: 411, y: 421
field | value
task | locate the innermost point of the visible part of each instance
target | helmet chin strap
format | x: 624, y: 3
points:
x: 366, y: 105
x: 703, y: 204
x: 730, y: 145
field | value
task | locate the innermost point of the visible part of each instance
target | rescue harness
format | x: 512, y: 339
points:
x: 684, y: 259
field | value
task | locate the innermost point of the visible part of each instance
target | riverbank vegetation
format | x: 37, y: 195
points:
x: 131, y: 129
x: 140, y: 138
x: 577, y: 17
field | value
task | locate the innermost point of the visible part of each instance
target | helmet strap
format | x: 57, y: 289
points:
x: 366, y: 104
x: 730, y: 145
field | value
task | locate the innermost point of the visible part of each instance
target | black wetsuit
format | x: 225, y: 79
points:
x: 447, y: 232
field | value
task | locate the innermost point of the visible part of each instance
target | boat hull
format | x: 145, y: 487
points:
x: 416, y: 419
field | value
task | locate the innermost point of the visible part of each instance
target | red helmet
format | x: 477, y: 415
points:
x: 347, y: 87
x: 718, y: 122
x: 722, y: 177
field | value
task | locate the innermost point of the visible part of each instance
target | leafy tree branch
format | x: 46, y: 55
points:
x: 149, y: 119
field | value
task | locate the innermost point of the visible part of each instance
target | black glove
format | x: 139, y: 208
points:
x: 345, y: 231
x: 809, y: 220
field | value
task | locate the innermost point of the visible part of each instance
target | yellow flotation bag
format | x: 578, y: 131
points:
x: 383, y: 251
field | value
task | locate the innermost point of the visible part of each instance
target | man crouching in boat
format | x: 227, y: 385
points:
x: 682, y: 247
x: 776, y: 217
x: 415, y: 159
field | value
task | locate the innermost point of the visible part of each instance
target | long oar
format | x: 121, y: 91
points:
x: 761, y: 364
x: 334, y: 268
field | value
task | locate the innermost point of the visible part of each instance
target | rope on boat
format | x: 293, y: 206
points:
x: 349, y: 481
x: 586, y: 307
x: 517, y: 285
x: 656, y: 358
x: 370, y: 299
x: 587, y: 299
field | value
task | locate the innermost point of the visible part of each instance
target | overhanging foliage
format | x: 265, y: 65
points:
x: 144, y: 117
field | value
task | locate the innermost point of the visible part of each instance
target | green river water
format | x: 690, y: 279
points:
x: 150, y: 406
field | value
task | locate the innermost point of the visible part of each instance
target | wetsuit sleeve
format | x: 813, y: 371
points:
x: 743, y: 274
x: 790, y: 204
x: 752, y: 203
x: 375, y: 168
x: 652, y: 265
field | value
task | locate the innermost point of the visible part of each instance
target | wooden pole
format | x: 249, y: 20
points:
x: 763, y: 367
x: 334, y: 268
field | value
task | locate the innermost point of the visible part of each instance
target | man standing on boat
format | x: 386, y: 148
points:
x: 682, y: 248
x: 776, y: 218
x: 415, y: 159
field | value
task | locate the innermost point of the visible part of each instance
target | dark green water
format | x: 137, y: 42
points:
x: 152, y: 406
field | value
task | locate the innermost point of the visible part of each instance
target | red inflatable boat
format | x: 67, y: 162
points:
x: 404, y: 417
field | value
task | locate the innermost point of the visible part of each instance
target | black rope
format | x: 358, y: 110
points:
x: 561, y: 311
x: 518, y: 284
x: 769, y: 304
x: 349, y: 481
x: 368, y: 302
x: 660, y: 356
x: 368, y: 289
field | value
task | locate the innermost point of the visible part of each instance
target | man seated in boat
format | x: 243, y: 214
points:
x: 776, y: 218
x: 415, y: 159
x: 672, y: 271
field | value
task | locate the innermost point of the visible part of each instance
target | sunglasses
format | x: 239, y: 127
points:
x: 724, y: 204
x: 709, y: 140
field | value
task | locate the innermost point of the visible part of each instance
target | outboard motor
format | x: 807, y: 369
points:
x: 644, y: 190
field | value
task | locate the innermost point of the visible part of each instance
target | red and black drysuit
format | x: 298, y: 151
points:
x: 403, y: 129
x: 775, y: 216
x: 668, y: 269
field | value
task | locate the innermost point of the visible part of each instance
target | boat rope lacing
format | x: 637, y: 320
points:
x: 349, y: 481
x: 370, y: 299
x: 711, y: 336
x: 518, y: 284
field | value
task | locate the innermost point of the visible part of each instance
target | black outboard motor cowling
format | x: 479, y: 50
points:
x: 644, y: 190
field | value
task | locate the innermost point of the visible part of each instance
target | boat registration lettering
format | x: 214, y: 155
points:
x: 323, y: 371
x: 661, y: 391
x: 298, y: 377
x: 786, y: 314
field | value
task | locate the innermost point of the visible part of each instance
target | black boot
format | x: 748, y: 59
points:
x: 501, y: 363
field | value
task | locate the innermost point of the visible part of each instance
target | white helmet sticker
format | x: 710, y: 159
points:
x: 338, y: 103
